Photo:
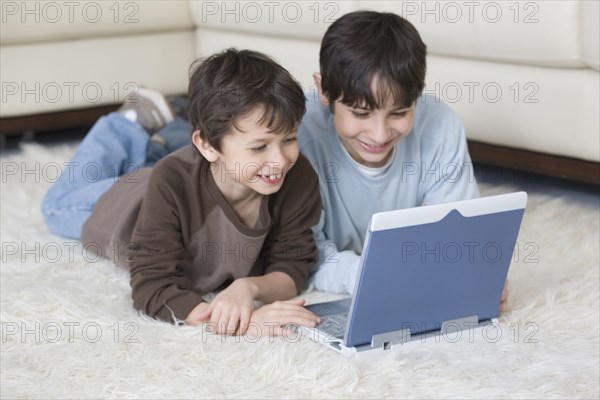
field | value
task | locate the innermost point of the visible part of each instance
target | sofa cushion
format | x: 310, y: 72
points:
x: 38, y: 21
x: 54, y: 76
x: 544, y: 33
x: 548, y: 110
x: 590, y: 33
x: 534, y: 33
x: 299, y: 57
x: 292, y: 19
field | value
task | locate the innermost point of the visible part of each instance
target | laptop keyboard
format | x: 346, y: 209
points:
x: 334, y: 325
x: 334, y: 317
x: 329, y: 308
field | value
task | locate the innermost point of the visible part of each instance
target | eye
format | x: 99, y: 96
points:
x: 259, y: 148
x: 291, y: 140
x: 401, y: 114
x: 360, y: 114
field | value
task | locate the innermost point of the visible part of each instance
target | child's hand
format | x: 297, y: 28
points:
x: 231, y: 309
x: 504, y: 298
x: 192, y: 318
x: 274, y: 319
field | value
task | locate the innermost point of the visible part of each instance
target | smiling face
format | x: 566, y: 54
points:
x: 253, y: 160
x: 369, y: 135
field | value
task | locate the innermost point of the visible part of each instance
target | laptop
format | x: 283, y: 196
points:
x: 425, y: 271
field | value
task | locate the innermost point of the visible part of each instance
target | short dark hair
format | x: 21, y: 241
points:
x: 232, y: 83
x: 365, y: 45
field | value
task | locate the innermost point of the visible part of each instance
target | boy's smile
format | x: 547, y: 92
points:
x: 253, y: 160
x: 375, y: 148
x: 370, y: 135
x: 273, y: 179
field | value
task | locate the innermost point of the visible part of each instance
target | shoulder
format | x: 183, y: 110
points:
x: 434, y: 115
x: 317, y: 137
x: 298, y: 203
x: 179, y: 165
x: 301, y: 176
x: 435, y: 122
x: 315, y: 123
x: 301, y: 185
x: 179, y: 174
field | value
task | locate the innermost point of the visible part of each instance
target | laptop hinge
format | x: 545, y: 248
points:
x: 389, y: 339
x: 460, y: 324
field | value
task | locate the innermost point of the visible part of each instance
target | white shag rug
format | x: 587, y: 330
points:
x: 69, y: 330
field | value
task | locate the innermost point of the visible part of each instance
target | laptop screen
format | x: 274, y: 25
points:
x: 418, y: 275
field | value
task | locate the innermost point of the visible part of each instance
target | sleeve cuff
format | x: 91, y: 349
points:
x: 179, y: 307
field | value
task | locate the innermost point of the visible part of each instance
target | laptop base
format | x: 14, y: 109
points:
x: 381, y: 343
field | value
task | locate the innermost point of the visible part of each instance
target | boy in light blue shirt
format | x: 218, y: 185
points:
x: 376, y: 142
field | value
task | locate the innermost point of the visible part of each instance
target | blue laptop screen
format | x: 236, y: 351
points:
x: 419, y: 276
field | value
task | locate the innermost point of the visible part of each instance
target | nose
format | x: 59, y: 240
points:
x: 380, y: 132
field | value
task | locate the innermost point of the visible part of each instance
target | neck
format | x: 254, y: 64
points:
x: 235, y: 193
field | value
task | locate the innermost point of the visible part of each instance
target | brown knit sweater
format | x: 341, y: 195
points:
x: 180, y: 238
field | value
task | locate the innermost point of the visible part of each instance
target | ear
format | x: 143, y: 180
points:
x: 204, y: 147
x: 317, y: 80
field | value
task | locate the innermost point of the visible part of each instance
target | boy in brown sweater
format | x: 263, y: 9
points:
x: 232, y: 211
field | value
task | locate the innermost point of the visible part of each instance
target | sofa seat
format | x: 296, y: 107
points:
x: 522, y: 75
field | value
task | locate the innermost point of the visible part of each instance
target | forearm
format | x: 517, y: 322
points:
x: 159, y: 292
x: 271, y: 287
x: 165, y: 303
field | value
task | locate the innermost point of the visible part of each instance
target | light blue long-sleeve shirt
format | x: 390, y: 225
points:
x: 429, y: 166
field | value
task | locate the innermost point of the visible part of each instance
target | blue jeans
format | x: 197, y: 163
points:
x: 114, y: 146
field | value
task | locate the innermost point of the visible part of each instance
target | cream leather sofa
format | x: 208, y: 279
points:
x: 521, y: 74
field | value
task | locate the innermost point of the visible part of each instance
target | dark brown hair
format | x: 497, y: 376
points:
x: 366, y: 46
x: 230, y: 84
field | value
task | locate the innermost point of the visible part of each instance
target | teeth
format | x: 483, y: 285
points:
x: 373, y: 145
x: 272, y: 177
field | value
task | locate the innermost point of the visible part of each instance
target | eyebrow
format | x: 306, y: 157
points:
x: 266, y: 140
x: 257, y: 141
x: 400, y: 108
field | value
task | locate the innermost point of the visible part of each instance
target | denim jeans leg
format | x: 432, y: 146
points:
x: 175, y: 135
x: 113, y: 147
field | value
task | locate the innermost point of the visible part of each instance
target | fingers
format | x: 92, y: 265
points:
x: 225, y: 322
x: 232, y: 324
x: 281, y: 324
x: 229, y: 322
x: 244, y: 322
x: 272, y: 319
x: 215, y: 319
x: 285, y: 330
x: 504, y: 297
x: 204, y: 316
x: 286, y: 312
x: 298, y: 301
x: 301, y: 316
x: 290, y: 305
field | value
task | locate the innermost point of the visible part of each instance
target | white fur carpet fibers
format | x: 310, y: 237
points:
x: 69, y: 331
